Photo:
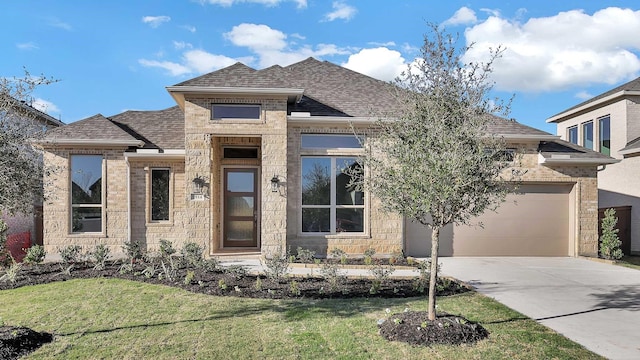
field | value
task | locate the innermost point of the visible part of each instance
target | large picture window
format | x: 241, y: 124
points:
x: 329, y: 204
x: 159, y: 194
x: 605, y: 135
x: 86, y: 193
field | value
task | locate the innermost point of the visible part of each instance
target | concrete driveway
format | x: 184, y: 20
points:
x: 594, y: 304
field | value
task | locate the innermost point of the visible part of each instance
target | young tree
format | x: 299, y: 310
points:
x: 433, y: 159
x: 21, y: 163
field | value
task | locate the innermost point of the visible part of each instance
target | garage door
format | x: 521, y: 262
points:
x: 534, y: 222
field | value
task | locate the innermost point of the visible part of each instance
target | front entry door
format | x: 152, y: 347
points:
x: 240, y: 208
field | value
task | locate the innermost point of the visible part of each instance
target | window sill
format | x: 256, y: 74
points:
x: 160, y: 224
x: 343, y: 235
x: 87, y: 234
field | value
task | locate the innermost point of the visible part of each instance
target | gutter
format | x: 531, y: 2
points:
x: 303, y: 119
x: 91, y: 142
x: 524, y: 137
x: 559, y: 118
x: 178, y: 92
x: 177, y: 154
x: 568, y: 160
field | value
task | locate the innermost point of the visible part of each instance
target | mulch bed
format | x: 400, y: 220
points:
x: 415, y: 328
x: 19, y: 341
x: 235, y: 281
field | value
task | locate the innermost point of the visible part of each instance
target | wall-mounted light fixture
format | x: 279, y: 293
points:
x: 198, y: 183
x: 275, y: 183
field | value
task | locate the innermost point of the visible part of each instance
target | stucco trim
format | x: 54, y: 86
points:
x: 178, y: 92
x: 563, y: 115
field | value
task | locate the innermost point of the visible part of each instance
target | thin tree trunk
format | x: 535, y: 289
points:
x: 435, y: 234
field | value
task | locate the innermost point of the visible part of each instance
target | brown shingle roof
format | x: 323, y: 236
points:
x: 633, y: 85
x: 502, y: 126
x: 344, y: 90
x: 96, y: 127
x: 161, y: 129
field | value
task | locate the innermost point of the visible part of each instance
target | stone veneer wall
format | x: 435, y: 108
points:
x: 142, y: 228
x: 272, y: 129
x: 56, y: 209
x: 384, y: 231
x: 585, y: 183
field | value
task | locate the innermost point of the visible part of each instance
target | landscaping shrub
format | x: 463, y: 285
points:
x: 305, y: 256
x: 609, y: 241
x: 99, y: 256
x: 35, y: 255
x: 192, y: 254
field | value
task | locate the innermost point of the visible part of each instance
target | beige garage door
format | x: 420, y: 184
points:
x: 535, y: 222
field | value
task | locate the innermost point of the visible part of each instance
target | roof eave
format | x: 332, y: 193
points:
x: 568, y: 160
x: 561, y: 116
x: 329, y: 120
x: 91, y: 142
x: 178, y: 92
x: 529, y: 137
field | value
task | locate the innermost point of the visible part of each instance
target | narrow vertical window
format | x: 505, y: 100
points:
x: 605, y: 135
x: 86, y: 193
x: 587, y: 135
x: 159, y: 194
x: 572, y: 135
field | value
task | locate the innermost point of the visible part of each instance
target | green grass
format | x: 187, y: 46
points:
x: 630, y: 262
x: 120, y: 319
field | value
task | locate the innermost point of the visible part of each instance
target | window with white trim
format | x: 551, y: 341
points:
x: 87, y: 202
x: 330, y: 203
x: 160, y: 200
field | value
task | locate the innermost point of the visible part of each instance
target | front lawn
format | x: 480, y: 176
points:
x: 122, y: 319
x: 630, y: 262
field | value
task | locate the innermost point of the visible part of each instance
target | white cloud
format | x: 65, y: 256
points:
x: 385, y: 44
x: 257, y: 37
x: 189, y: 28
x: 301, y: 4
x: 202, y: 62
x: 341, y: 11
x: 45, y: 106
x: 55, y: 22
x: 462, y: 16
x: 27, y: 46
x: 155, y: 21
x: 380, y: 63
x: 269, y: 47
x: 173, y: 68
x: 558, y: 52
x: 583, y: 95
x: 179, y: 45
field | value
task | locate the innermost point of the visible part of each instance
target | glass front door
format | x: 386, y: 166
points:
x: 240, y: 208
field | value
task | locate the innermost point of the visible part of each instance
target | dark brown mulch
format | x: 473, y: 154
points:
x: 414, y: 327
x: 222, y: 281
x: 225, y: 281
x: 19, y: 341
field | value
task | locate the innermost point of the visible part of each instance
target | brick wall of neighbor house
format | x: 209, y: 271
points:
x: 142, y: 228
x: 585, y: 183
x: 384, y: 231
x: 56, y: 210
x: 199, y: 130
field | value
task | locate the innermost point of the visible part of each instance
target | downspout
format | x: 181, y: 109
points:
x: 128, y: 199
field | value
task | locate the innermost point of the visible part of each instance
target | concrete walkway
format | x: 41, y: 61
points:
x: 592, y: 303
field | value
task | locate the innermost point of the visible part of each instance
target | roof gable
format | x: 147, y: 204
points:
x: 94, y: 128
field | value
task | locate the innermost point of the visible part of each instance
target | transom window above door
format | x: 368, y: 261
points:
x: 235, y: 111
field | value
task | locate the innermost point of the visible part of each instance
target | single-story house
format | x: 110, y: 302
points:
x: 250, y: 161
x: 610, y: 124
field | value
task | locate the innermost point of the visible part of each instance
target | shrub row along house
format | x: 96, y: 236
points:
x: 251, y: 161
x: 610, y: 124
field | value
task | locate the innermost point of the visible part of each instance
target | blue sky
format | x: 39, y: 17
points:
x: 113, y: 56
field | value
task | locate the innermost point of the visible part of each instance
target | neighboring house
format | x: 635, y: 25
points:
x: 250, y: 161
x: 21, y: 223
x: 610, y: 124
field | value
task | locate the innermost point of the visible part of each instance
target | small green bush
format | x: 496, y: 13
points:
x: 192, y: 254
x: 71, y: 254
x: 305, y: 256
x: 133, y: 250
x: 100, y: 256
x: 35, y: 255
x: 609, y: 241
x: 166, y: 248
